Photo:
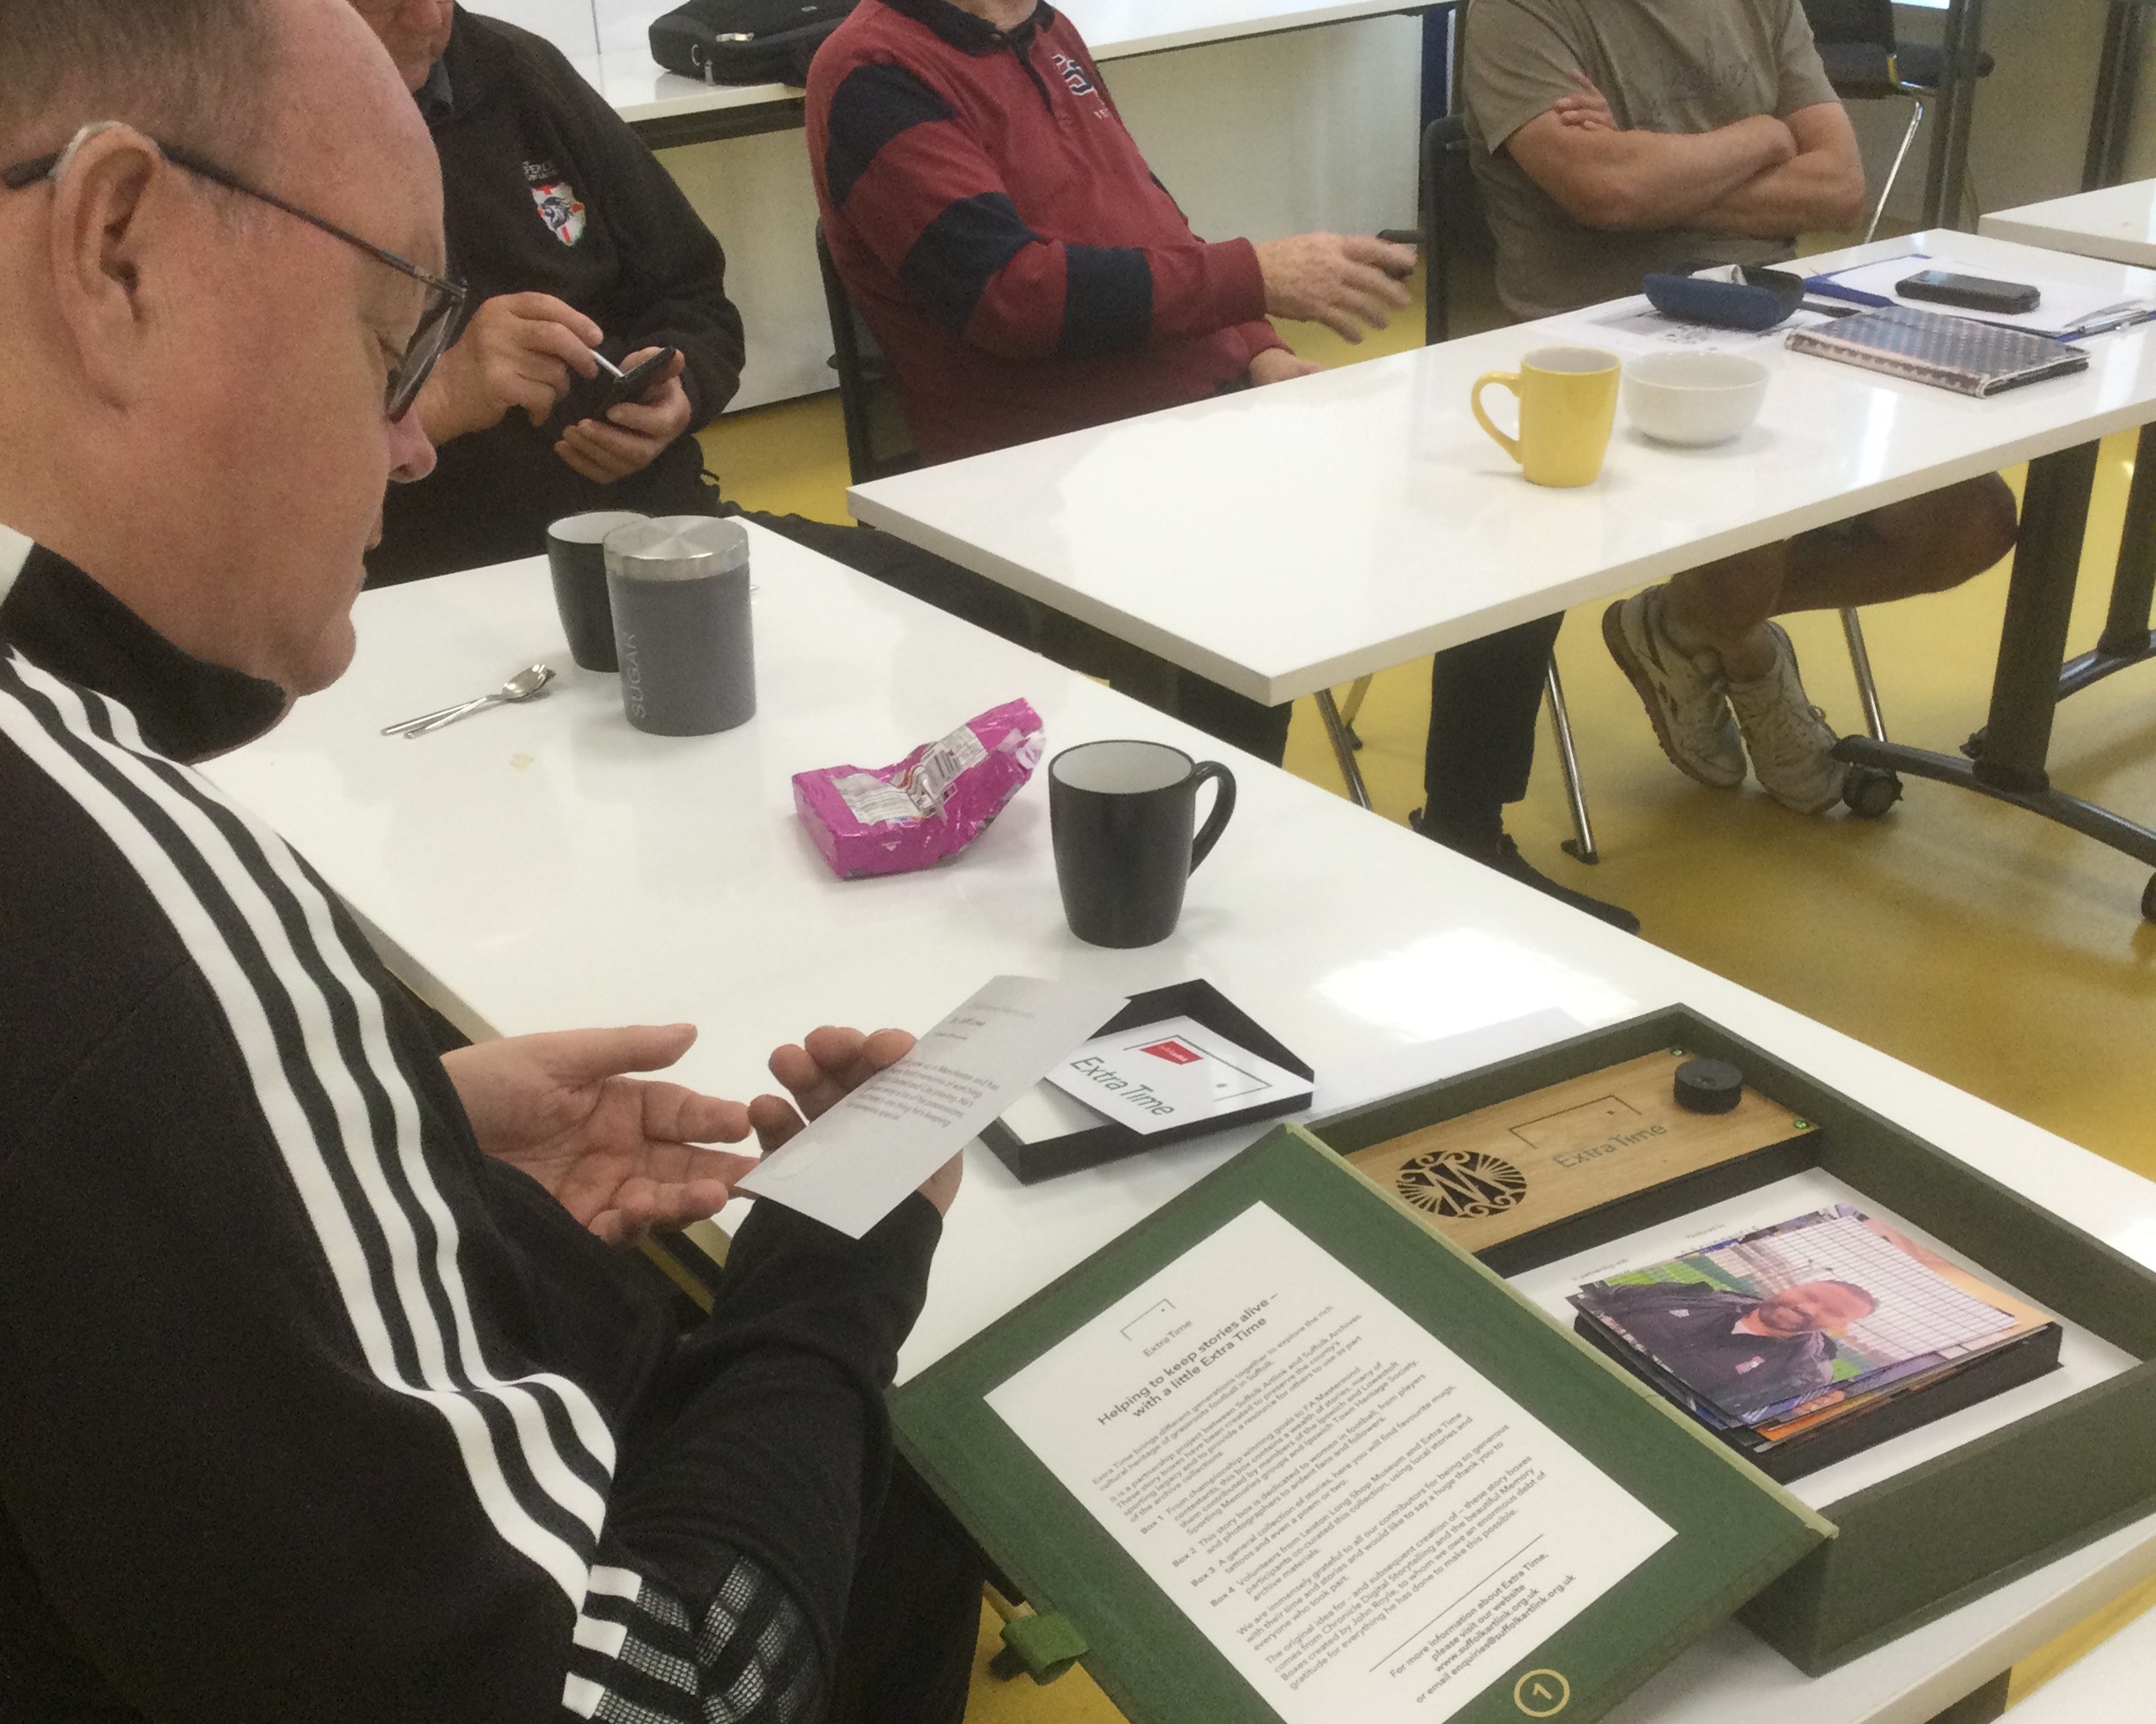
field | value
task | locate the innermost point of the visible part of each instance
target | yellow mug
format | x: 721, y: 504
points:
x: 1568, y: 402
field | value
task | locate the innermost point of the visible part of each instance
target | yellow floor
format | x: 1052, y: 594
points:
x: 1991, y: 948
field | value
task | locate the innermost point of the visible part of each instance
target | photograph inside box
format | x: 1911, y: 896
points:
x: 1829, y: 1324
x: 1995, y: 1387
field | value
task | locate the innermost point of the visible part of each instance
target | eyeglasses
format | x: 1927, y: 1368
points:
x: 444, y: 298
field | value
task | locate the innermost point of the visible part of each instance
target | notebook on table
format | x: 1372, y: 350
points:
x: 1957, y: 353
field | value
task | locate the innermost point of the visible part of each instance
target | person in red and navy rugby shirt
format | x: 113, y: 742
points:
x: 1021, y: 267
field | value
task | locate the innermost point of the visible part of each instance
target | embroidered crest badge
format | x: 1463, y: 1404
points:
x: 561, y: 209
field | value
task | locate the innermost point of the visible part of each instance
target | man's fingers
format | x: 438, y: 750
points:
x: 676, y: 1113
x: 544, y: 336
x: 623, y: 445
x: 587, y: 1055
x: 545, y: 308
x: 1380, y: 285
x: 663, y: 416
x: 835, y: 1049
x: 534, y: 395
x: 831, y: 1060
x: 1391, y: 260
x: 775, y: 1120
x: 888, y: 1047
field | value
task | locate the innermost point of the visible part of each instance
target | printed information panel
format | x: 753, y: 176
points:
x: 1364, y: 1525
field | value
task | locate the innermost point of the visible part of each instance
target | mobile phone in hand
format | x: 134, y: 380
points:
x: 614, y: 386
x: 1972, y: 293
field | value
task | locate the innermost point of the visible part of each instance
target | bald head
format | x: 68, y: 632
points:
x: 198, y: 415
x: 191, y: 71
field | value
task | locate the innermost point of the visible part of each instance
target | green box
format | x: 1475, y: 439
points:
x: 1734, y: 1530
x: 1948, y: 1529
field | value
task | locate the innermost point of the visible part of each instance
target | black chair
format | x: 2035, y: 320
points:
x: 1865, y: 61
x: 1456, y: 238
x: 877, y: 442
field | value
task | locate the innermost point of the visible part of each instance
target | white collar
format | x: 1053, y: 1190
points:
x: 14, y: 552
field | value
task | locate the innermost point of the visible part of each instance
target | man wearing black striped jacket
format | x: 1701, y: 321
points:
x: 325, y: 1393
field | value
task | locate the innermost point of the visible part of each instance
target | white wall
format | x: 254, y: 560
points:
x: 1316, y: 129
x: 2030, y: 131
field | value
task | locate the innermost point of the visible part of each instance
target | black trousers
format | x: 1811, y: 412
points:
x: 1485, y: 695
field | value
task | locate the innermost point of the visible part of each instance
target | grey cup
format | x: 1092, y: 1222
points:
x: 576, y: 553
x: 679, y: 586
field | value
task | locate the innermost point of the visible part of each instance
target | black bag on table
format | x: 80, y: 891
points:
x: 745, y: 41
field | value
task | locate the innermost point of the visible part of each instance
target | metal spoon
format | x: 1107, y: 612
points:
x: 528, y: 684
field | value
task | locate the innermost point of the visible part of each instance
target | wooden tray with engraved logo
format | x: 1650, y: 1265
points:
x: 1521, y: 1168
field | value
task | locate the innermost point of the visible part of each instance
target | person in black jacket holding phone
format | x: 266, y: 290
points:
x: 571, y: 237
x: 327, y: 1389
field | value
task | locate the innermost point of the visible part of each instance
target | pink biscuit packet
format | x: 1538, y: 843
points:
x: 931, y: 805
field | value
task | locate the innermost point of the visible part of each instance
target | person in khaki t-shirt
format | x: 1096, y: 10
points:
x: 1611, y: 139
x: 1615, y: 137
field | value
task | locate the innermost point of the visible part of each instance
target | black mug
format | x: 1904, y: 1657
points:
x: 576, y: 553
x: 1121, y: 815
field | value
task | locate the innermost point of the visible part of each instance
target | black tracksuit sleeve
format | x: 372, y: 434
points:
x: 672, y: 290
x: 236, y: 1519
x: 310, y: 1411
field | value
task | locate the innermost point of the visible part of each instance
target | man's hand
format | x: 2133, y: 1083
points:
x: 1344, y: 281
x: 1277, y: 364
x: 828, y: 1064
x: 633, y: 433
x: 617, y: 1153
x: 1587, y: 108
x: 517, y: 350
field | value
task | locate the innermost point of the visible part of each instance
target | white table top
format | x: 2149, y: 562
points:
x: 2110, y: 1682
x: 2118, y: 223
x: 1289, y: 539
x: 609, y: 40
x: 551, y: 866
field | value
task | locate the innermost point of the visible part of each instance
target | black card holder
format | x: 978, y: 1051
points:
x: 1110, y: 1140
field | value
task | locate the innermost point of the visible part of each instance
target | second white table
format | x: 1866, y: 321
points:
x: 546, y: 865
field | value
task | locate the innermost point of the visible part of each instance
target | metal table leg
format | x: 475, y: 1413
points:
x: 1343, y: 748
x: 2127, y: 637
x: 2025, y: 690
x: 1581, y: 845
x: 1356, y: 695
x: 2117, y: 84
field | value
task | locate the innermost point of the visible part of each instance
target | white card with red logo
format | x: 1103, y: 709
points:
x: 1172, y: 1073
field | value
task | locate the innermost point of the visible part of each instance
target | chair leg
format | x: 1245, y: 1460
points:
x: 1894, y: 173
x: 1336, y: 733
x: 1867, y: 687
x: 1357, y: 693
x: 1581, y: 845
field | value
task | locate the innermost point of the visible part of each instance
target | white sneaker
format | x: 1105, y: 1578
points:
x: 1685, y: 694
x: 1792, y: 743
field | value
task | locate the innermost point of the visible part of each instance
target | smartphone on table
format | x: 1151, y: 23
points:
x: 1972, y: 293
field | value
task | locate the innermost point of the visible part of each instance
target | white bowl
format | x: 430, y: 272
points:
x: 1693, y: 398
